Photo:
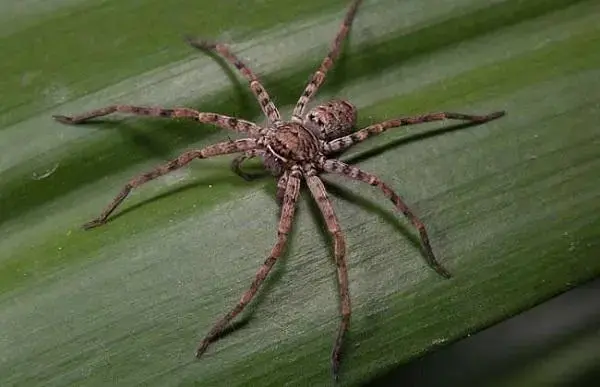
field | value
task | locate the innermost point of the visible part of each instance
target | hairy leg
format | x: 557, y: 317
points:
x: 184, y: 159
x: 281, y: 186
x: 319, y: 76
x: 267, y: 106
x: 220, y: 120
x: 285, y: 225
x: 346, y: 142
x: 352, y: 172
x: 317, y: 190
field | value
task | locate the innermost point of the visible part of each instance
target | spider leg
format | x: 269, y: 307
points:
x: 319, y: 76
x: 281, y: 187
x: 317, y: 190
x: 236, y: 164
x: 285, y: 224
x: 352, y: 172
x: 184, y: 159
x: 220, y: 120
x: 267, y: 106
x: 346, y: 142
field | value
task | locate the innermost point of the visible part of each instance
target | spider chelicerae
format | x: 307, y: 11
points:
x: 294, y: 150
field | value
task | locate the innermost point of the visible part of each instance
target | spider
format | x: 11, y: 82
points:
x: 295, y: 150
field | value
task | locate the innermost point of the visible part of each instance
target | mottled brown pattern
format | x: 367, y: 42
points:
x: 319, y: 76
x: 294, y: 150
x: 293, y: 142
x: 222, y: 121
x: 343, y: 143
x: 328, y: 121
x: 256, y: 86
x: 331, y: 120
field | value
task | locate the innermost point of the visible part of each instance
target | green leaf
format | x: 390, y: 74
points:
x: 511, y: 205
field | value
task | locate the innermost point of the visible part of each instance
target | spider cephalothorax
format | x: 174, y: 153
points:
x: 331, y: 120
x: 291, y: 143
x: 296, y: 150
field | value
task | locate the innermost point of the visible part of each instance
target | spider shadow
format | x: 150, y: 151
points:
x: 209, y: 180
x: 244, y: 100
x: 338, y: 75
x: 333, y: 188
x: 386, y: 215
x: 158, y: 137
x: 151, y: 137
x: 391, y: 218
x: 143, y: 140
x: 269, y: 282
x: 367, y: 154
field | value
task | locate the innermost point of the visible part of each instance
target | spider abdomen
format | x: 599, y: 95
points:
x: 291, y: 141
x: 331, y: 120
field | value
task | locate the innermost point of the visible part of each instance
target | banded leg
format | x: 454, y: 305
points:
x: 184, y: 159
x: 267, y: 106
x: 319, y: 76
x: 352, y: 172
x: 317, y: 190
x: 281, y: 186
x: 346, y: 142
x: 219, y: 120
x: 285, y: 225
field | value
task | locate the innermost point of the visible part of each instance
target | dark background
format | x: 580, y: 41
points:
x: 556, y: 343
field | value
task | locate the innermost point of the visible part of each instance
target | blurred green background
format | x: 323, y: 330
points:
x: 511, y: 205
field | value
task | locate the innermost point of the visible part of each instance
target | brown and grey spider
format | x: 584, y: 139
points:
x: 293, y: 150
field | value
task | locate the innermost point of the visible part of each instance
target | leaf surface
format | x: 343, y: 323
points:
x: 511, y: 206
